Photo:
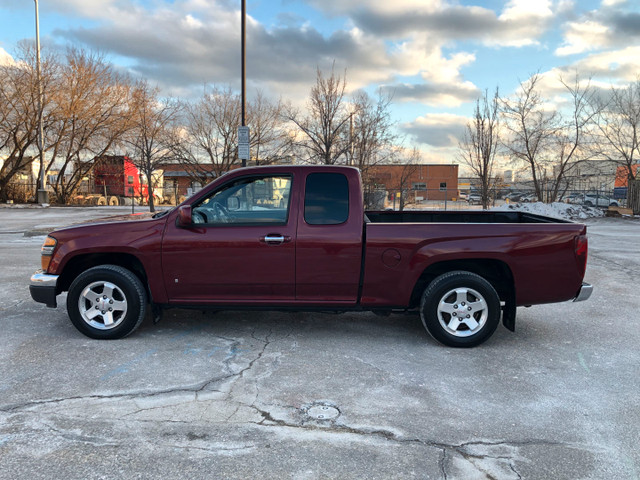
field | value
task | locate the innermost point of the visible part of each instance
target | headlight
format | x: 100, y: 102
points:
x: 46, y: 251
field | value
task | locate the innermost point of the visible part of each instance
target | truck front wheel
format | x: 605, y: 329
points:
x: 460, y: 309
x: 106, y: 302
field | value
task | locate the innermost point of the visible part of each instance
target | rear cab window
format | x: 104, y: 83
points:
x: 326, y: 200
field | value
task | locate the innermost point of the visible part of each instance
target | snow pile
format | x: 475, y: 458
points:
x: 565, y: 211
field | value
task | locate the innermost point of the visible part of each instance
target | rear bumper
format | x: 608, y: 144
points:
x: 43, y: 288
x: 584, y: 292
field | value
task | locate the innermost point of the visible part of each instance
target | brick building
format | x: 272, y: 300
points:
x: 180, y: 181
x: 416, y: 183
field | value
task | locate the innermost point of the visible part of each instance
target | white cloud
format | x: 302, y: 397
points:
x: 520, y: 23
x: 623, y: 64
x: 341, y: 7
x: 5, y: 58
x: 583, y: 36
x: 517, y: 10
x: 442, y: 83
x: 191, y: 42
x: 598, y: 71
x: 605, y: 28
x: 439, y: 130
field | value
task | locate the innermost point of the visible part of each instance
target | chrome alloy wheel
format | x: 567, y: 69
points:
x: 462, y: 312
x: 102, y: 305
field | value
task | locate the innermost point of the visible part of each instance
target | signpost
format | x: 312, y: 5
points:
x: 243, y: 144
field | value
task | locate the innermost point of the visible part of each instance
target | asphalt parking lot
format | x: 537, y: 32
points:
x: 314, y: 396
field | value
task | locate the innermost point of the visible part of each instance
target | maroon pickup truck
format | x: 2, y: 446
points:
x: 297, y: 238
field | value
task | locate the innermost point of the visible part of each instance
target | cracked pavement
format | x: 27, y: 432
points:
x: 236, y: 394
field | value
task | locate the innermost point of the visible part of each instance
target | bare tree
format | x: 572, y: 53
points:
x: 323, y: 130
x: 371, y: 136
x: 89, y: 102
x: 618, y: 127
x: 570, y: 144
x: 206, y: 141
x: 530, y: 131
x: 151, y: 136
x: 548, y: 140
x: 479, y: 144
x: 19, y: 112
x: 410, y: 166
x: 18, y: 118
x: 270, y: 140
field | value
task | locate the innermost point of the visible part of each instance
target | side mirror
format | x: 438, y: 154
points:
x: 184, y: 216
x: 233, y: 203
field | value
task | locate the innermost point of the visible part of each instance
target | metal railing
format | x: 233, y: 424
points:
x: 435, y: 199
x: 427, y: 199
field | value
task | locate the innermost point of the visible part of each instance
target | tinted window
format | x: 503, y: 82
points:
x: 326, y: 200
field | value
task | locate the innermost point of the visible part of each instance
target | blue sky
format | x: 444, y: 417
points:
x: 436, y: 56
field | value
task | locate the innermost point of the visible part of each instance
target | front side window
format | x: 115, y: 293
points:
x: 247, y: 201
x: 326, y: 200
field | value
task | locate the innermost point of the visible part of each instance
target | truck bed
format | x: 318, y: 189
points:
x: 536, y: 253
x: 422, y: 216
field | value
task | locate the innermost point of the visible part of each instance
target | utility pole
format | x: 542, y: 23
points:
x: 351, y: 162
x: 243, y: 44
x: 43, y: 195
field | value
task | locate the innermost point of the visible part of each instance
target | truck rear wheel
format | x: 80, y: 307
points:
x: 106, y: 302
x: 460, y: 309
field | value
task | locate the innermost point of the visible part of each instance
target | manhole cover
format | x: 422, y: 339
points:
x: 323, y: 412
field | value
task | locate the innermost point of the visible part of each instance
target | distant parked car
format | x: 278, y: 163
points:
x: 574, y: 198
x: 514, y: 196
x: 597, y: 200
x: 593, y: 200
x: 474, y: 199
x: 531, y: 197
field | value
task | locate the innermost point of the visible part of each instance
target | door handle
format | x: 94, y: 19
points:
x: 275, y: 239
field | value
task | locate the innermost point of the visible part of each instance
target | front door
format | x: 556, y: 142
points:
x: 240, y: 248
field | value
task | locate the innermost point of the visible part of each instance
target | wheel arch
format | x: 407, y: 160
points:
x: 496, y: 272
x: 80, y: 263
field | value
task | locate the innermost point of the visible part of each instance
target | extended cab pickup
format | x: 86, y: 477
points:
x: 297, y: 238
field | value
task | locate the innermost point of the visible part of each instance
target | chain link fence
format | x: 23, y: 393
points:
x: 436, y: 199
x: 104, y: 194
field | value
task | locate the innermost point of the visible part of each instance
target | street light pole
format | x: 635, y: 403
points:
x: 43, y: 195
x: 243, y: 33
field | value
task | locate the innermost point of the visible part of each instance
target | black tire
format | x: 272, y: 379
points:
x: 106, y: 302
x: 476, y: 302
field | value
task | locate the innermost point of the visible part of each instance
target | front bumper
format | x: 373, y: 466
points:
x: 584, y: 292
x: 43, y: 288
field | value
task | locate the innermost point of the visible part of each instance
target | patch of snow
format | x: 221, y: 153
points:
x: 565, y: 211
x: 22, y: 238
